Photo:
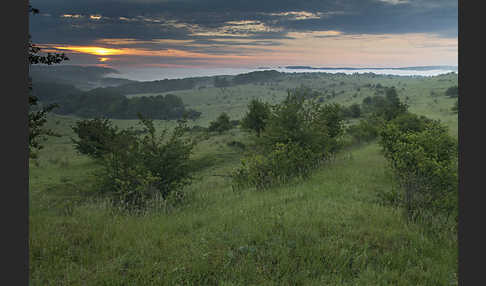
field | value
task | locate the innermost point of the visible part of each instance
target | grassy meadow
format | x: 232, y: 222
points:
x: 332, y: 229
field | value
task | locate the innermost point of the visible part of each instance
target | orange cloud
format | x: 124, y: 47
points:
x: 173, y: 53
x: 99, y: 51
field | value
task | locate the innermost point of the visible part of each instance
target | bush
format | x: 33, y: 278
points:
x: 387, y: 107
x: 304, y: 122
x: 363, y: 132
x: 221, y: 124
x: 452, y: 91
x: 425, y: 163
x: 94, y: 136
x: 409, y: 122
x: 256, y: 117
x: 455, y: 108
x: 298, y: 136
x: 286, y: 161
x: 135, y: 168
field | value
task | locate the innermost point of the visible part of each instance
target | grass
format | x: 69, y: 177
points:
x: 331, y: 229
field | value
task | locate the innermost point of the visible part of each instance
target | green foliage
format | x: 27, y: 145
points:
x: 38, y: 117
x: 221, y: 82
x: 452, y: 91
x: 110, y: 102
x: 388, y: 106
x: 353, y: 111
x: 138, y: 168
x: 284, y: 162
x: 455, y: 108
x: 425, y: 163
x: 410, y: 122
x: 304, y: 122
x: 221, y: 124
x: 256, y: 116
x: 257, y: 77
x: 95, y: 136
x: 299, y: 134
x: 364, y: 131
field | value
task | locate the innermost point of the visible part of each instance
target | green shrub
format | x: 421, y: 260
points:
x: 285, y: 162
x: 221, y: 124
x: 256, y: 117
x: 311, y: 125
x: 136, y: 168
x: 455, y: 108
x: 299, y: 134
x: 425, y: 163
x: 94, y: 136
x: 387, y: 107
x: 452, y: 91
x: 363, y: 132
x: 410, y: 122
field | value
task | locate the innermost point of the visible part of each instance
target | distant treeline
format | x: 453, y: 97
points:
x: 110, y: 102
x: 154, y: 86
x: 246, y: 78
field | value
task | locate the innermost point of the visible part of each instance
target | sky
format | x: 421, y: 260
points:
x: 249, y: 33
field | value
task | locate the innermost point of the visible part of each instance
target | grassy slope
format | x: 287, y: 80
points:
x: 329, y: 230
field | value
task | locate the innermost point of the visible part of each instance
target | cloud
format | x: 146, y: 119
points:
x: 221, y: 27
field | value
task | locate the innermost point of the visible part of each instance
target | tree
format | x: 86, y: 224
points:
x: 425, y: 162
x: 221, y: 124
x: 256, y: 117
x: 355, y: 110
x: 455, y: 108
x: 452, y: 91
x: 138, y: 166
x: 38, y: 117
x: 94, y: 136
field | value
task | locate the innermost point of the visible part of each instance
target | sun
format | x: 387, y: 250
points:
x: 98, y: 51
x: 103, y: 59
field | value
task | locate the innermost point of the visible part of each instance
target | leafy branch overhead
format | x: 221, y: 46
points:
x: 38, y: 116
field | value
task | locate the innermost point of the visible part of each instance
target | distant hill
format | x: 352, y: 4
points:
x: 82, y: 77
x: 418, y: 68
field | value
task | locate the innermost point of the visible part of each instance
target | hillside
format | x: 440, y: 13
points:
x: 334, y: 228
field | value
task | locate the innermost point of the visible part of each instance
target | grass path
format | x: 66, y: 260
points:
x: 328, y: 230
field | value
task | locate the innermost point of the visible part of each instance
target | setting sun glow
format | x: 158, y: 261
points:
x: 93, y: 50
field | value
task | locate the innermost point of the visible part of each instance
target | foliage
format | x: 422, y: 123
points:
x: 298, y: 136
x: 257, y: 77
x: 95, y: 136
x: 388, y: 106
x: 455, y: 108
x: 364, y: 131
x: 103, y: 102
x: 136, y: 168
x: 256, y: 116
x: 353, y: 111
x: 37, y: 133
x: 221, y: 124
x: 304, y: 122
x: 156, y: 86
x: 284, y: 162
x: 410, y: 122
x: 38, y: 117
x: 452, y: 91
x: 425, y: 163
x: 221, y: 82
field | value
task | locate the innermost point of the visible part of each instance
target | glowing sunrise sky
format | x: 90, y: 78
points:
x: 217, y: 33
